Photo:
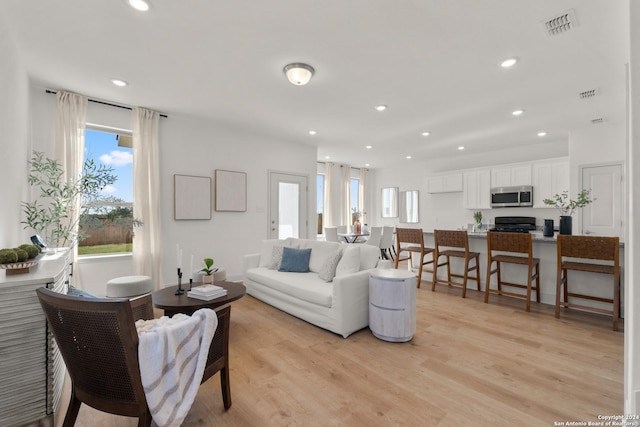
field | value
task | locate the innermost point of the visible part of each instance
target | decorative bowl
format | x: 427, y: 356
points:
x: 18, y: 267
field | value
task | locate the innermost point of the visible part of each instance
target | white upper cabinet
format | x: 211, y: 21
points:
x: 477, y: 189
x: 549, y: 178
x: 511, y: 175
x: 446, y: 183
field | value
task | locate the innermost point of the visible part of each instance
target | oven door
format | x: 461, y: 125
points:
x: 505, y: 199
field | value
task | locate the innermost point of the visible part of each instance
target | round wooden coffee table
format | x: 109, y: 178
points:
x: 171, y: 304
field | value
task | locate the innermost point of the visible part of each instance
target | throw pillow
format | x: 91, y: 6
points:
x: 328, y: 270
x: 295, y: 260
x: 75, y: 292
x: 276, y: 257
x: 350, y: 261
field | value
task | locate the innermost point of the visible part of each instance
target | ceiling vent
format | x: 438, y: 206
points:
x: 598, y: 120
x: 588, y: 94
x: 561, y: 24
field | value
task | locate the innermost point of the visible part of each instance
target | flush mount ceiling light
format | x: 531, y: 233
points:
x: 140, y: 5
x: 298, y: 73
x: 517, y: 112
x: 118, y: 82
x: 380, y: 107
x: 510, y: 62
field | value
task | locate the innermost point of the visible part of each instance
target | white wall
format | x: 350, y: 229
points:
x: 14, y: 141
x: 190, y: 146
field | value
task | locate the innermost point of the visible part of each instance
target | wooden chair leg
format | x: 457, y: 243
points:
x: 72, y: 410
x: 478, y: 274
x: 528, y: 303
x: 145, y: 419
x: 538, y: 282
x: 435, y: 273
x: 226, y: 387
x: 558, y: 286
x: 465, y: 277
x: 487, y: 283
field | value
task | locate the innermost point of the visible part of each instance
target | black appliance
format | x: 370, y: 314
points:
x: 506, y: 197
x: 515, y: 224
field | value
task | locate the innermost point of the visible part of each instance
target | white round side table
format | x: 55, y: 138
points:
x: 392, y: 304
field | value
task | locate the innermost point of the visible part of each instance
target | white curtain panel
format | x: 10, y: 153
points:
x: 327, y: 215
x: 147, y: 239
x: 71, y: 113
x: 362, y: 186
x: 345, y: 209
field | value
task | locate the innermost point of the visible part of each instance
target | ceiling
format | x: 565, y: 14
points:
x: 434, y: 64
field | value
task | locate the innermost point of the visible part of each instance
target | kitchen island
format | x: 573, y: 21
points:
x: 544, y: 248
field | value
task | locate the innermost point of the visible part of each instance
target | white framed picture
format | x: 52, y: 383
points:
x: 191, y: 197
x: 231, y: 191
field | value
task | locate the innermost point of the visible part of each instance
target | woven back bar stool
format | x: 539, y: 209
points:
x: 444, y: 241
x: 588, y: 248
x: 410, y: 241
x: 512, y: 248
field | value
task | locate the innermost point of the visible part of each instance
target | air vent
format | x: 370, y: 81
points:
x: 588, y: 94
x: 598, y: 120
x: 561, y: 24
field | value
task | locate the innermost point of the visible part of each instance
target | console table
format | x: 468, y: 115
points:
x: 392, y: 304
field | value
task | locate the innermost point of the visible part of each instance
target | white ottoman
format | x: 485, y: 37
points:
x: 129, y: 286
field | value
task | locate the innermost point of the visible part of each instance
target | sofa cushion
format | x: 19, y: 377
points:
x: 369, y: 256
x: 267, y: 250
x: 328, y: 270
x: 307, y: 287
x: 320, y: 252
x: 295, y: 260
x: 350, y: 261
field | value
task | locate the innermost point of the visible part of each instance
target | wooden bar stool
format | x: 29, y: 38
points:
x: 591, y: 248
x: 460, y: 240
x: 519, y: 243
x: 411, y: 240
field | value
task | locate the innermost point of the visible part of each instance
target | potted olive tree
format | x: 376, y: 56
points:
x: 54, y: 215
x: 568, y: 206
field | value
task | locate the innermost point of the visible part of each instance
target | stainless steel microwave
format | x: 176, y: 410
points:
x: 506, y: 197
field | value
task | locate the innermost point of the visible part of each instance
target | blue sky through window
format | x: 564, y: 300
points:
x: 103, y: 148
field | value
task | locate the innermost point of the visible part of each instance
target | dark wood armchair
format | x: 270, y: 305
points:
x: 99, y: 344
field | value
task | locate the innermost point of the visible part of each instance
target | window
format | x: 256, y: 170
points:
x: 355, y: 197
x: 320, y: 202
x: 106, y: 223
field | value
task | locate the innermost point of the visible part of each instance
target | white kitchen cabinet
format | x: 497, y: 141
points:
x: 446, y: 183
x: 511, y: 175
x: 477, y: 189
x: 31, y: 367
x: 549, y: 179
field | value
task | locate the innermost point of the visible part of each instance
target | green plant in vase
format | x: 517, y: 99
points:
x: 477, y: 217
x: 208, y: 270
x: 567, y: 207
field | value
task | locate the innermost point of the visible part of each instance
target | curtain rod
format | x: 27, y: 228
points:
x: 53, y: 92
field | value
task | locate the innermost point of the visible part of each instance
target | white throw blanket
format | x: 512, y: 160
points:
x: 173, y: 353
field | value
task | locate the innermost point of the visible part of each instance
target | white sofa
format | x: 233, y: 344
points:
x: 340, y: 305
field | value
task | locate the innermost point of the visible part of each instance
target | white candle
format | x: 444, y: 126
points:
x: 178, y: 255
x: 191, y: 268
x: 180, y: 263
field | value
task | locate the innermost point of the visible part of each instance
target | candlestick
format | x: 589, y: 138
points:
x: 191, y: 268
x: 190, y: 283
x: 179, y: 291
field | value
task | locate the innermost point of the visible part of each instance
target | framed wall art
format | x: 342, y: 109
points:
x: 191, y: 197
x: 231, y: 191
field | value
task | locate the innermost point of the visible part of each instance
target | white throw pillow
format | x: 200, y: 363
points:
x: 328, y: 270
x: 350, y: 261
x: 266, y: 252
x: 276, y: 257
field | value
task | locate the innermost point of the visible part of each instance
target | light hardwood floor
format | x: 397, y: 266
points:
x: 469, y: 364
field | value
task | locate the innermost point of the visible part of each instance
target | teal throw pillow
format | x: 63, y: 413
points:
x: 75, y: 292
x: 295, y: 260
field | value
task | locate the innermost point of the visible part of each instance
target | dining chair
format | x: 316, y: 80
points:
x: 573, y: 251
x: 331, y: 234
x: 454, y: 243
x: 98, y: 341
x: 387, y: 241
x: 411, y: 241
x: 375, y: 235
x: 512, y: 248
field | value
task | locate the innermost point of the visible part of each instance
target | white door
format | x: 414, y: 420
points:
x: 287, y: 205
x: 603, y: 217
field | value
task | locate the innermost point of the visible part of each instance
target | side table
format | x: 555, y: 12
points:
x: 392, y: 304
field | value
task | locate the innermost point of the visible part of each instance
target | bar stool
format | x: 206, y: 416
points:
x: 413, y: 238
x: 593, y: 248
x: 460, y: 240
x: 520, y: 243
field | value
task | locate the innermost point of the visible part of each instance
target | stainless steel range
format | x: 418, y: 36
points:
x: 515, y: 224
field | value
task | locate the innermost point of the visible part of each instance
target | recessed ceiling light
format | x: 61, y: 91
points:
x: 118, y: 82
x: 313, y: 132
x: 409, y: 157
x: 517, y: 112
x: 140, y: 5
x: 368, y: 147
x: 510, y: 62
x: 367, y: 164
x: 543, y: 133
x: 327, y: 157
x: 461, y: 148
x: 381, y: 107
x: 425, y: 133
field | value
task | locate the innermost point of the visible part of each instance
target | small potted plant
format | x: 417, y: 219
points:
x: 477, y: 217
x: 567, y: 207
x: 208, y: 271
